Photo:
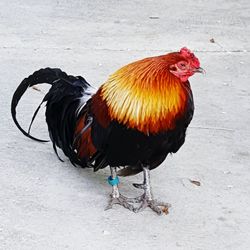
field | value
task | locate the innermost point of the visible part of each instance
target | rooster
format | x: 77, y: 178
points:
x: 131, y: 123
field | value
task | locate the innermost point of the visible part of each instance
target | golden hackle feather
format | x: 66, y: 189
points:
x: 145, y: 96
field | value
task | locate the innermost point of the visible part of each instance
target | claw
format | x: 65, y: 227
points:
x: 155, y: 207
x: 137, y: 185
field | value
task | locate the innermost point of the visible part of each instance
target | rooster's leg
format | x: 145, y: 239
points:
x: 147, y: 198
x: 116, y: 197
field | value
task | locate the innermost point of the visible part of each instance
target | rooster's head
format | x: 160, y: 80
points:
x: 186, y: 64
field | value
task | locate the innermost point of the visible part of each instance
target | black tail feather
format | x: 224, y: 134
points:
x: 63, y: 101
x: 46, y: 75
x: 34, y: 116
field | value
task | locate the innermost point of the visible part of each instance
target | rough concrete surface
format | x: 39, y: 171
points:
x: 47, y: 204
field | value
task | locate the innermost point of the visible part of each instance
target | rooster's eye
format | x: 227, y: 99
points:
x: 182, y: 65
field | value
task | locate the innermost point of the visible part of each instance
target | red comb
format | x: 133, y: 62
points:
x: 189, y: 55
x: 185, y: 51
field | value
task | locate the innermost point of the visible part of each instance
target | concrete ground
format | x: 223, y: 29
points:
x: 47, y: 204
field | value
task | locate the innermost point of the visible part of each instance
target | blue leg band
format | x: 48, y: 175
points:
x: 114, y: 181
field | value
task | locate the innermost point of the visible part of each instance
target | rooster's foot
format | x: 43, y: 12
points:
x: 157, y: 206
x: 122, y: 201
x: 145, y: 200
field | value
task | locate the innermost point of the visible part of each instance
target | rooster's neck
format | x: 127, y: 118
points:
x: 144, y: 96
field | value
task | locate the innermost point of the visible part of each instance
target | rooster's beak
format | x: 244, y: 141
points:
x: 200, y: 70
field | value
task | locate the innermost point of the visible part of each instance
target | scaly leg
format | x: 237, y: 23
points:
x: 116, y: 197
x: 147, y: 197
